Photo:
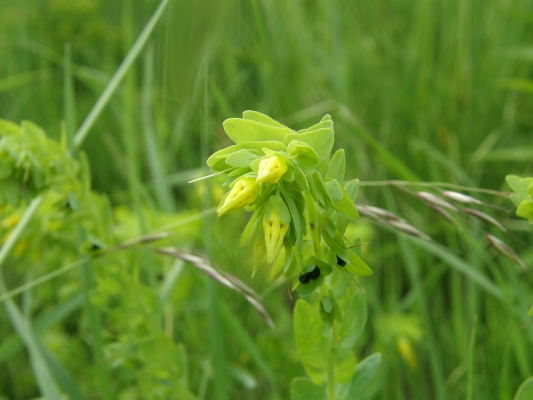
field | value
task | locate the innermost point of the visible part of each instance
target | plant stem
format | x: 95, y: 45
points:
x: 331, y: 369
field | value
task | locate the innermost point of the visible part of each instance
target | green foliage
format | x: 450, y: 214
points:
x: 303, y: 389
x: 291, y: 199
x: 522, y: 196
x: 435, y: 91
x: 525, y: 391
x: 304, y: 216
x: 31, y: 163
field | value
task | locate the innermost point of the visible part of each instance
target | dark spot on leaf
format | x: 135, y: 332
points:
x: 340, y: 262
x: 314, y: 274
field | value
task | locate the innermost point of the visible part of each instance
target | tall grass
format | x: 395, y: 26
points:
x: 420, y: 90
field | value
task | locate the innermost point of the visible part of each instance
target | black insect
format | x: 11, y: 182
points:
x: 340, y: 262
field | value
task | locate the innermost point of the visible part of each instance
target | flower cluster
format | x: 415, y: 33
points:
x: 296, y: 191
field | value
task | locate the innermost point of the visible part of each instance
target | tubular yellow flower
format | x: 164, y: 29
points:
x: 244, y: 192
x: 275, y: 231
x: 271, y: 170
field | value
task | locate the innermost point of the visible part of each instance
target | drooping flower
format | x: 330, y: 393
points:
x: 271, y: 170
x: 275, y: 231
x: 244, y: 192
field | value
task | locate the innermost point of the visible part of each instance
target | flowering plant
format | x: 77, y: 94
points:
x: 301, y: 209
x: 301, y: 205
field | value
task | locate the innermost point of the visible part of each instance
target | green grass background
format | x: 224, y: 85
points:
x: 422, y: 90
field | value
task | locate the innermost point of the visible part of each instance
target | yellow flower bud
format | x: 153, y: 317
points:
x: 271, y: 170
x: 275, y: 231
x: 244, y: 192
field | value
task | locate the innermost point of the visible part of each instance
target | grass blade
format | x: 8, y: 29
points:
x: 119, y: 75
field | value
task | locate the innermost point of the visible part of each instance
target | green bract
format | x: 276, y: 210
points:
x: 522, y: 196
x: 302, y: 203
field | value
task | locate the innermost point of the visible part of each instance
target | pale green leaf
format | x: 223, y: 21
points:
x: 525, y: 391
x: 357, y: 266
x: 352, y: 188
x: 304, y: 389
x: 346, y: 205
x: 345, y: 366
x: 309, y: 340
x: 217, y: 161
x: 337, y: 166
x: 241, y: 158
x: 321, y: 140
x: 364, y: 373
x: 334, y: 189
x: 281, y: 208
x: 262, y: 118
x: 253, y: 224
x: 300, y: 178
x: 246, y: 130
x: 354, y: 310
x: 327, y: 304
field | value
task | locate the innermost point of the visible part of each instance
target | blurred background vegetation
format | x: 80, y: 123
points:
x: 422, y: 90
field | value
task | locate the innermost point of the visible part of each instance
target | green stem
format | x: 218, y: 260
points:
x: 472, y: 362
x: 331, y: 370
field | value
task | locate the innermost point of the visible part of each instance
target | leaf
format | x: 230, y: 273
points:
x: 246, y: 130
x: 337, y: 166
x: 326, y: 122
x: 309, y: 339
x: 262, y: 118
x: 320, y: 187
x: 217, y: 160
x: 525, y: 391
x: 346, y: 205
x: 345, y: 366
x: 364, y: 373
x: 303, y: 155
x: 294, y: 212
x: 281, y: 208
x: 525, y: 209
x: 354, y: 311
x: 518, y: 185
x: 327, y: 304
x: 301, y: 179
x: 321, y: 140
x: 352, y: 188
x: 251, y: 226
x: 357, y: 266
x: 336, y: 309
x: 8, y: 127
x: 241, y: 158
x: 334, y: 189
x: 304, y: 389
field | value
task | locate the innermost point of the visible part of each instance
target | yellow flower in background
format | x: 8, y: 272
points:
x: 244, y: 192
x: 275, y: 231
x: 406, y: 351
x: 271, y: 170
